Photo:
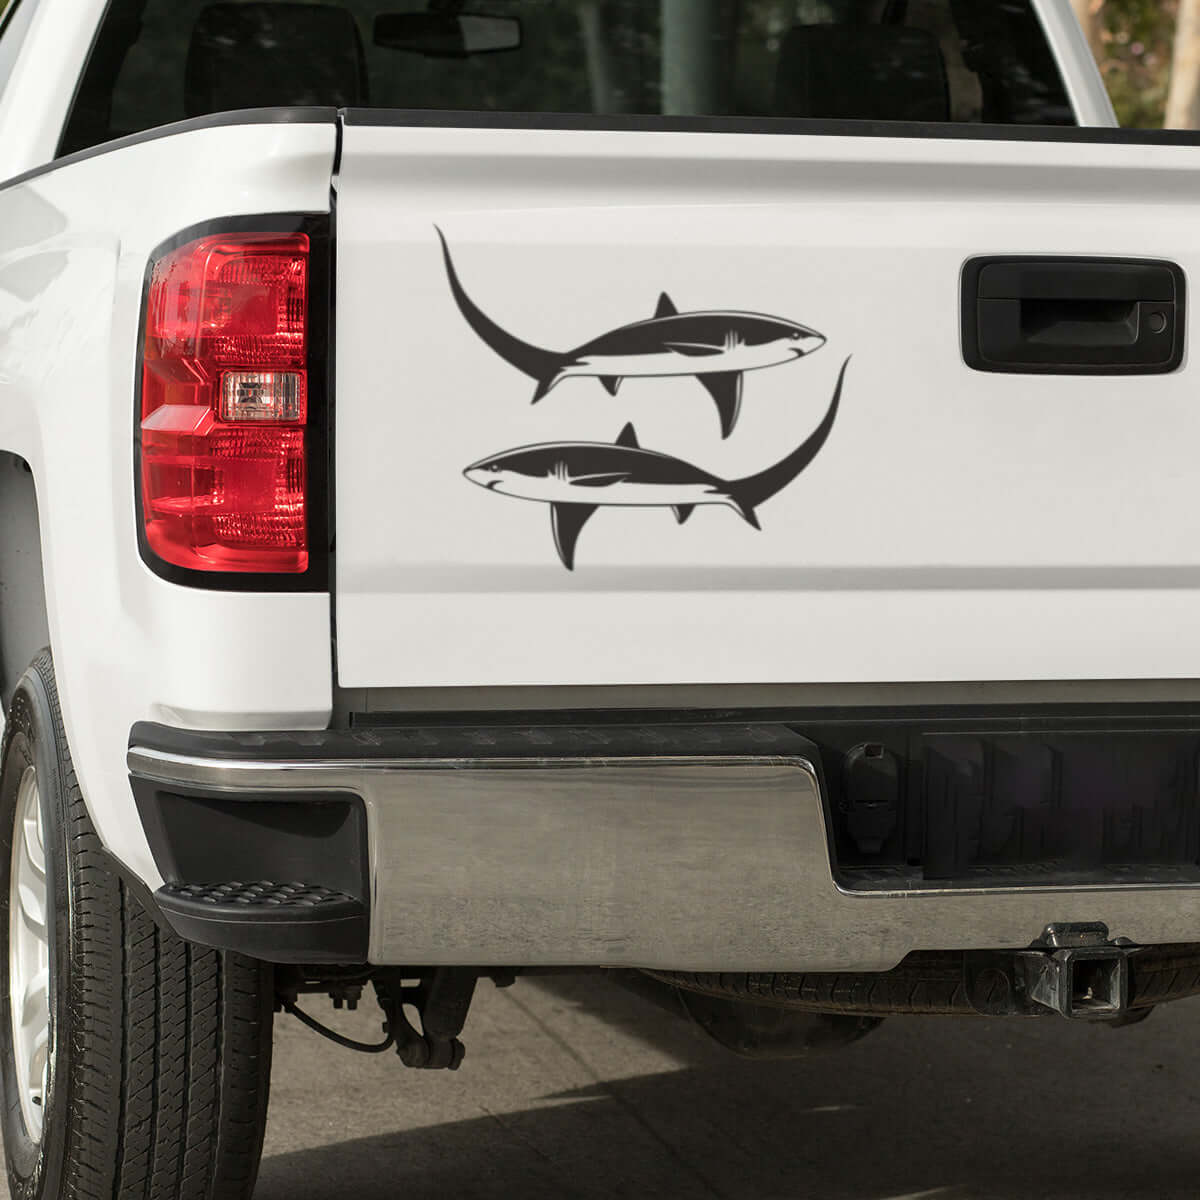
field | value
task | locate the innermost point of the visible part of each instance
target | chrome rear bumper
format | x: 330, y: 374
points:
x: 689, y: 862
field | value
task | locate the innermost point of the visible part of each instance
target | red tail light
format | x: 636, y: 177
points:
x: 224, y: 404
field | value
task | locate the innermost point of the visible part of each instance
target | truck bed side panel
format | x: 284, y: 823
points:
x: 74, y: 245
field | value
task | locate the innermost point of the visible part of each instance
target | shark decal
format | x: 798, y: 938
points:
x: 577, y: 478
x: 718, y: 348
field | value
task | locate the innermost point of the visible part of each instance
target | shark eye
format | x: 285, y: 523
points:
x: 796, y: 335
x: 494, y: 467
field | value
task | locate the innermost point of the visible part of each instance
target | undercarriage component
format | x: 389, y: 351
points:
x: 343, y: 985
x: 337, y: 1038
x: 442, y: 999
x: 1095, y: 982
x: 757, y: 1031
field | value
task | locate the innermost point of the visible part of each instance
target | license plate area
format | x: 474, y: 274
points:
x: 989, y: 807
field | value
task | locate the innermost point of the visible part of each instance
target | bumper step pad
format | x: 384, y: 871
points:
x: 273, y: 921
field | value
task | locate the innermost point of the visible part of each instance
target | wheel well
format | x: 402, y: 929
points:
x: 24, y: 629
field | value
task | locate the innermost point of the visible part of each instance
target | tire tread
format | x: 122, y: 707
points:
x: 170, y: 1044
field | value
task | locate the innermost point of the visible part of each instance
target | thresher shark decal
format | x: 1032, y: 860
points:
x: 577, y: 478
x: 716, y: 347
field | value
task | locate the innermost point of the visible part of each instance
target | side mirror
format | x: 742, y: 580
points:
x: 439, y: 35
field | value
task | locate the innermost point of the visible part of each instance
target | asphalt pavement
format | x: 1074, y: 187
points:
x: 574, y: 1087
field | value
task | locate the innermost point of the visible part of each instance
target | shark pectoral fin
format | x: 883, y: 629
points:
x: 695, y: 349
x: 666, y: 308
x: 726, y: 389
x: 683, y: 512
x: 568, y: 521
x: 628, y: 438
x: 612, y: 383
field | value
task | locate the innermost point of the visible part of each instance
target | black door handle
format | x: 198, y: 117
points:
x: 1073, y: 316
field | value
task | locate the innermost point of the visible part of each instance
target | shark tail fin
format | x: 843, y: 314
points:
x: 745, y: 495
x: 543, y: 365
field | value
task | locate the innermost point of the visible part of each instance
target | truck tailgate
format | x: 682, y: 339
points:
x: 933, y: 522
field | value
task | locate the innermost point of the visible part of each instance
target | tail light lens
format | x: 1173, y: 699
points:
x: 224, y: 405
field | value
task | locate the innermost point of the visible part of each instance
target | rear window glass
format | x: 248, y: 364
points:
x: 157, y: 61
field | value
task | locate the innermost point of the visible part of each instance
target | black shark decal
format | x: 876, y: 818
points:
x: 578, y: 478
x: 716, y: 347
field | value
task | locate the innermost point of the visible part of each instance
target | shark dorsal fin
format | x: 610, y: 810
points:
x: 628, y: 438
x: 666, y: 308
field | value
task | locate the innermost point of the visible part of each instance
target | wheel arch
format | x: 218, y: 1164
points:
x: 24, y: 625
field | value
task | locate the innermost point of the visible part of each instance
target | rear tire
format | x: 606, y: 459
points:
x: 159, y: 1052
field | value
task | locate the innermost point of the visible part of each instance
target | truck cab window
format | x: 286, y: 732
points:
x: 158, y: 61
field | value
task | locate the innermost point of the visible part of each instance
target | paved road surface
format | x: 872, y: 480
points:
x: 575, y: 1088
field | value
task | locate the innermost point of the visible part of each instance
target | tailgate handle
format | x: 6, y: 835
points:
x: 1073, y: 316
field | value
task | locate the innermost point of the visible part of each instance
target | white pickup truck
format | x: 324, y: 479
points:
x: 821, y: 643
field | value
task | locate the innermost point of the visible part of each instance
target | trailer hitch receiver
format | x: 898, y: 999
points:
x: 1077, y: 971
x: 1080, y: 974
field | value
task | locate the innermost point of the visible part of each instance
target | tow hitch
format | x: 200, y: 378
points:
x: 1076, y: 971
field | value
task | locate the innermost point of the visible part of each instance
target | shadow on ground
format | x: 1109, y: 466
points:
x: 576, y: 1088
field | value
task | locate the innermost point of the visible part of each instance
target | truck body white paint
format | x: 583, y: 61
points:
x: 956, y: 526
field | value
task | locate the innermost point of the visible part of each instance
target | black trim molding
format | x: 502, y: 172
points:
x: 248, y: 116
x: 275, y: 876
x: 780, y: 126
x: 390, y: 737
x: 608, y: 123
